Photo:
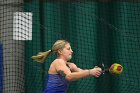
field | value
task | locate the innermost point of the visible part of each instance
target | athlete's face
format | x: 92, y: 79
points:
x: 66, y: 52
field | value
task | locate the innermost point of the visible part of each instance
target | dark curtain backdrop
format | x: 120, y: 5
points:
x: 99, y: 32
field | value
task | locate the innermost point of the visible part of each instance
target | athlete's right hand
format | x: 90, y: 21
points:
x: 96, y: 71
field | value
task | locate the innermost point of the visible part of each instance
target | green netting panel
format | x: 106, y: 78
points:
x: 98, y: 32
x: 33, y: 71
x: 96, y: 36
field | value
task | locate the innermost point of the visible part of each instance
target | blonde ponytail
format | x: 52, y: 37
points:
x: 59, y: 44
x: 41, y: 56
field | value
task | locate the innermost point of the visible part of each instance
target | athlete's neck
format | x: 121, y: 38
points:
x: 62, y: 59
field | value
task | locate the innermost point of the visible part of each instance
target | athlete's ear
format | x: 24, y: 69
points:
x: 59, y: 51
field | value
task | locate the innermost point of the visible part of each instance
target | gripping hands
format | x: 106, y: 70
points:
x: 95, y: 72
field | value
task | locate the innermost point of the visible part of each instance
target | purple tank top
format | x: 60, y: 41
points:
x: 56, y: 84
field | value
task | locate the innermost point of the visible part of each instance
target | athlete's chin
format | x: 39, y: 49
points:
x: 69, y: 58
